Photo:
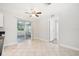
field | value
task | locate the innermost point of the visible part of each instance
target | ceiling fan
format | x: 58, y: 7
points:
x: 34, y: 13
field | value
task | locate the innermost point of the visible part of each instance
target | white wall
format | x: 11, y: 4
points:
x: 10, y: 29
x: 68, y: 16
x: 1, y: 22
x: 43, y: 28
x: 35, y: 29
x: 1, y: 19
x: 69, y: 25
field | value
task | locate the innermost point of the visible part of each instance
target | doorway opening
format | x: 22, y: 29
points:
x: 24, y: 31
x: 53, y: 29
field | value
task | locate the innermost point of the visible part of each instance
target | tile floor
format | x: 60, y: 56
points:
x: 37, y: 48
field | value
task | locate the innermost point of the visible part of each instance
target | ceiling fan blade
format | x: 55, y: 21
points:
x: 39, y: 13
x: 28, y: 13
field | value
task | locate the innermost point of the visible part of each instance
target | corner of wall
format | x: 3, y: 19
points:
x: 69, y: 47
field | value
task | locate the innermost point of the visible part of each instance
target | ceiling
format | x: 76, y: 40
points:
x: 20, y: 8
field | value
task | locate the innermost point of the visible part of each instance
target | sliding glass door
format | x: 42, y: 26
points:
x: 23, y: 30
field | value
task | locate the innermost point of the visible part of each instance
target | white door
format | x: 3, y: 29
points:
x: 53, y: 28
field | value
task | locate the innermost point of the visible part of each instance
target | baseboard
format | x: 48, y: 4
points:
x: 35, y: 38
x: 69, y: 47
x: 10, y: 44
x: 44, y: 39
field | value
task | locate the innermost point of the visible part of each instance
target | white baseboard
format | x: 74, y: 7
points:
x: 69, y: 47
x: 44, y: 39
x: 10, y: 44
x: 35, y: 38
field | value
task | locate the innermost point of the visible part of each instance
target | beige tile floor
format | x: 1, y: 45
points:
x: 37, y: 48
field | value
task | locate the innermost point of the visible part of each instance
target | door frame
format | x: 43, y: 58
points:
x: 27, y: 21
x: 57, y: 19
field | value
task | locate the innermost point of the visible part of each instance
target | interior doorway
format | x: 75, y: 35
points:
x: 53, y: 29
x: 24, y: 30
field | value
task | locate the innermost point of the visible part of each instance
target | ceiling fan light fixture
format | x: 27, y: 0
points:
x: 48, y: 3
x: 39, y: 12
x: 37, y: 15
x: 34, y: 12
